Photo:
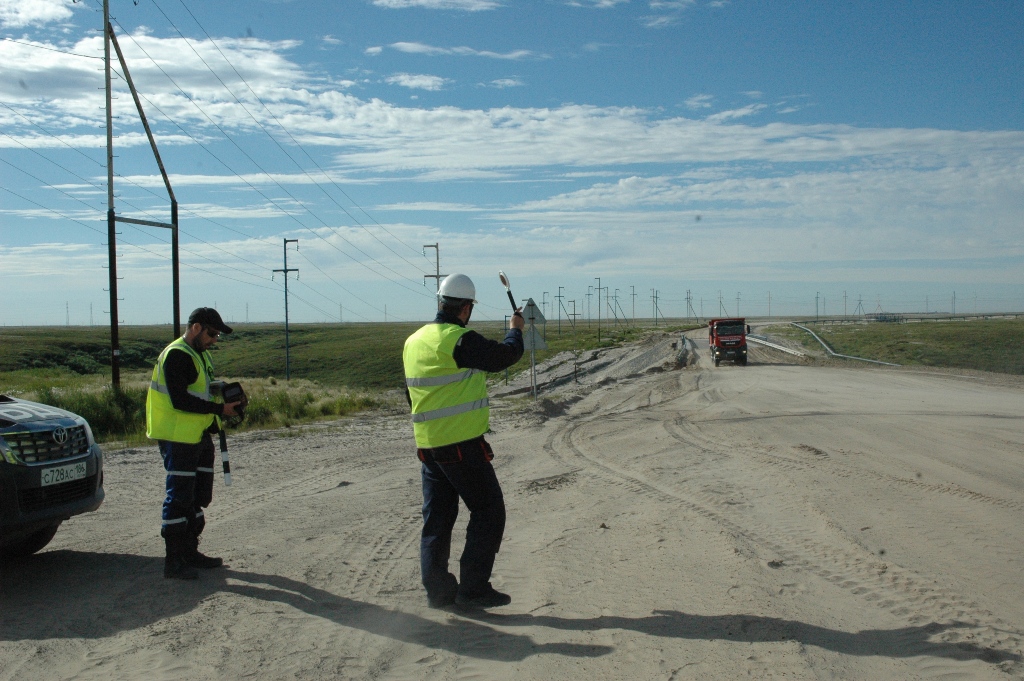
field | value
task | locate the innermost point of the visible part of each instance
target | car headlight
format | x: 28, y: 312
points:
x: 7, y: 452
x: 88, y: 432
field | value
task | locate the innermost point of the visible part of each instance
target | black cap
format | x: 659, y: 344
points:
x: 207, y: 316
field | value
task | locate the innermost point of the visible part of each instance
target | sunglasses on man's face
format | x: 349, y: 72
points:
x: 213, y: 334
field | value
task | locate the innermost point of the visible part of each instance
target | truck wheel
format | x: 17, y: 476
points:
x: 717, y: 361
x: 30, y: 544
x: 743, y: 362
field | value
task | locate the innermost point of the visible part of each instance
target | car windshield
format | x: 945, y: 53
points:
x: 729, y: 329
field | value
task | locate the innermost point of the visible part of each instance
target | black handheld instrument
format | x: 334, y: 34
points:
x: 226, y: 393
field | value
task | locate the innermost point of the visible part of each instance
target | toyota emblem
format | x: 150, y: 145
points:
x: 60, y: 435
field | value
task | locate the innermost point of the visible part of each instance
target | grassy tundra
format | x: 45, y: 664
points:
x: 336, y: 369
x: 995, y: 345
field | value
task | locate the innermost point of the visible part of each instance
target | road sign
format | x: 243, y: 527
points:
x: 532, y: 340
x: 532, y: 313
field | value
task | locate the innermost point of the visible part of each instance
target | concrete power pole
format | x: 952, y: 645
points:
x: 287, y: 348
x: 436, y: 276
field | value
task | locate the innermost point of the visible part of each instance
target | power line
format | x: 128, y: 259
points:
x: 266, y: 173
x: 287, y: 132
x: 51, y: 49
x: 129, y: 243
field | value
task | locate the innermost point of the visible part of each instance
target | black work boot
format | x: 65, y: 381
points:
x: 196, y: 559
x: 175, y: 565
x: 489, y: 597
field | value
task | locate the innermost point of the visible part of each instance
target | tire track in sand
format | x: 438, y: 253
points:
x: 972, y: 633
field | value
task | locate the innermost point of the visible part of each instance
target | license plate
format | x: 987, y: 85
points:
x: 59, y: 474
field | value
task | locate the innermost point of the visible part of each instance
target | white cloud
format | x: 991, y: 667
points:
x: 779, y: 187
x: 599, y: 4
x: 502, y: 83
x: 431, y: 206
x: 373, y: 51
x: 669, y: 13
x: 742, y: 112
x: 464, y: 5
x: 671, y: 4
x: 22, y: 13
x: 418, y: 81
x: 699, y: 102
x: 432, y: 51
x: 663, y: 21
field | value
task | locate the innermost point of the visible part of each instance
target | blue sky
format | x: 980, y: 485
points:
x: 865, y: 154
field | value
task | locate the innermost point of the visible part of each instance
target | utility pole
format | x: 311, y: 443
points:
x: 115, y: 345
x: 844, y: 304
x: 816, y: 296
x: 633, y: 296
x: 109, y: 39
x: 737, y: 303
x: 436, y: 276
x: 954, y: 303
x: 598, y: 309
x: 588, y: 305
x: 769, y: 305
x: 559, y: 298
x: 654, y: 306
x: 286, y: 270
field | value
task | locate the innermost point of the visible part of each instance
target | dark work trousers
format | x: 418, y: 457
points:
x: 189, y: 485
x: 473, y: 480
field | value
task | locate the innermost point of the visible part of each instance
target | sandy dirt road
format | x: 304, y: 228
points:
x: 779, y: 520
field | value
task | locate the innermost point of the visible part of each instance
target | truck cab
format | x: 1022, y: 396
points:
x: 50, y: 469
x: 727, y: 339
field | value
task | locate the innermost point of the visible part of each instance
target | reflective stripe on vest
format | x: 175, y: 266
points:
x: 449, y: 411
x: 449, y: 404
x: 440, y: 380
x: 163, y: 421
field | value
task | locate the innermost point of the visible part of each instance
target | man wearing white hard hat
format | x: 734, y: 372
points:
x: 446, y: 368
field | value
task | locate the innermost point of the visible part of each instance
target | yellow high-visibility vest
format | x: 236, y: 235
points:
x: 163, y: 421
x: 449, y: 404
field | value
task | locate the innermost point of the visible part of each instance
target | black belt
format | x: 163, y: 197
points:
x: 454, y: 453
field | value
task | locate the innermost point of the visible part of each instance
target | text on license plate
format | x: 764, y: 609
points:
x: 59, y: 474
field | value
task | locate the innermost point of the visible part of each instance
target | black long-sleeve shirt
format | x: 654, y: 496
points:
x: 473, y: 351
x: 180, y: 372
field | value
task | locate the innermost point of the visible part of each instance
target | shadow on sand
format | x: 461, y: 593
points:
x: 896, y: 643
x: 75, y: 594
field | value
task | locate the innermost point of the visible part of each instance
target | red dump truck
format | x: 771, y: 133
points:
x: 728, y: 339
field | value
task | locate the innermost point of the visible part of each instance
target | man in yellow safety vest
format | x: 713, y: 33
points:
x: 446, y: 368
x: 180, y: 416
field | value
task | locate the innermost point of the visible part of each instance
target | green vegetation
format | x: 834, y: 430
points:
x: 985, y: 345
x: 344, y: 368
x: 336, y: 369
x: 111, y: 413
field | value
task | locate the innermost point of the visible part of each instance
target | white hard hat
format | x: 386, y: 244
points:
x: 457, y: 287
